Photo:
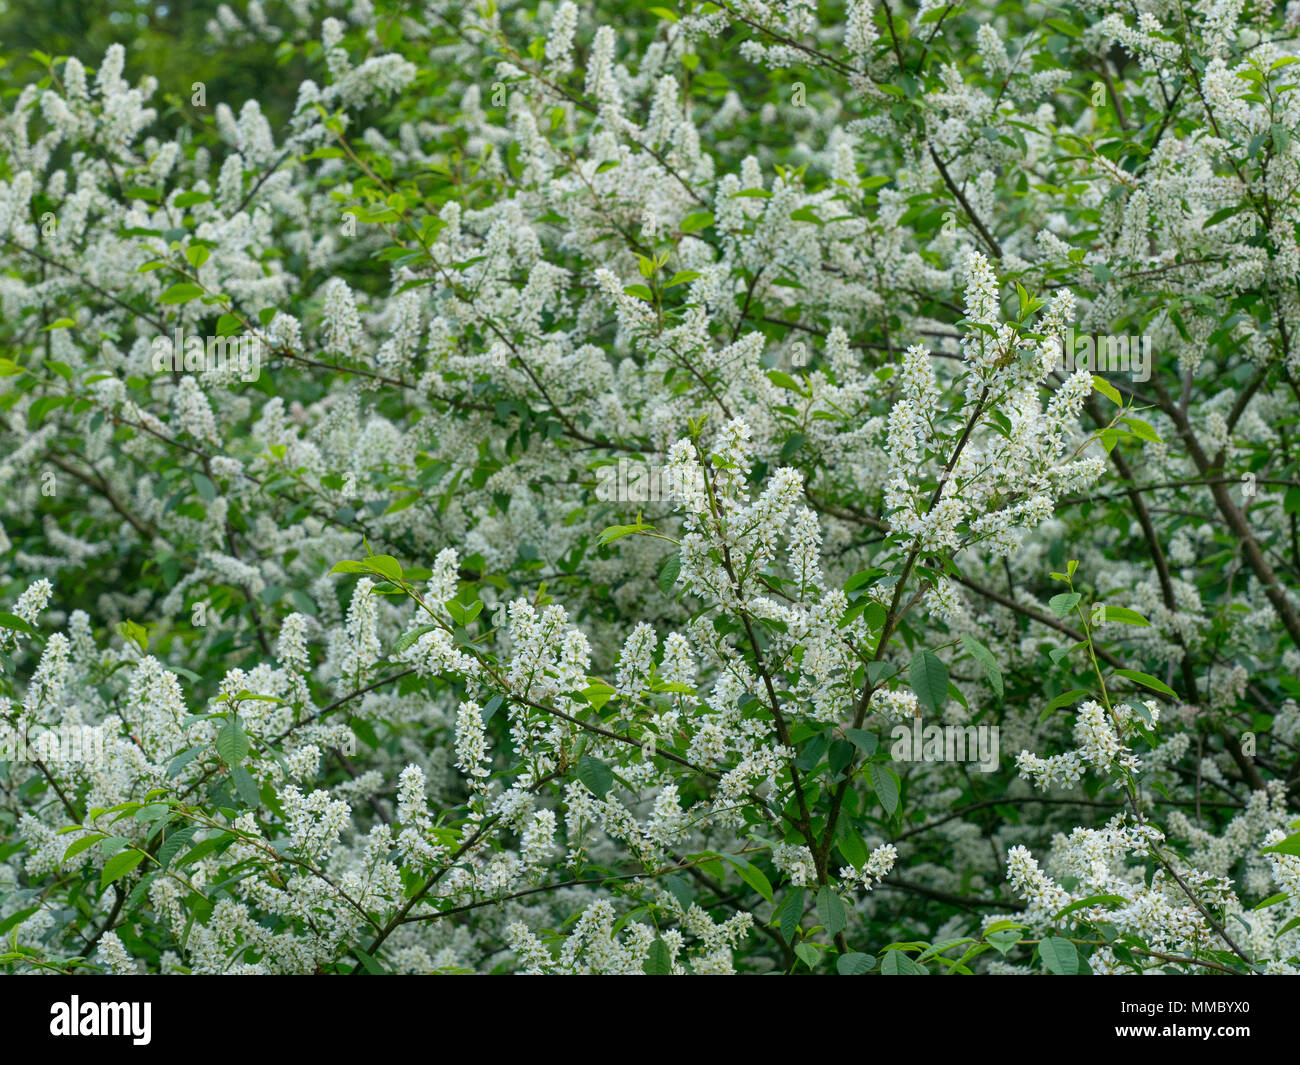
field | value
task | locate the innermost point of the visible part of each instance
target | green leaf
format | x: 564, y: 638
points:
x: 79, y: 845
x: 15, y: 919
x: 1121, y: 614
x: 119, y: 865
x: 791, y: 912
x: 753, y: 876
x: 879, y: 672
x: 617, y: 532
x: 1092, y: 900
x: 693, y: 223
x: 1290, y: 845
x: 174, y: 843
x: 386, y: 566
x: 1272, y: 900
x: 232, y: 743
x: 594, y: 773
x: 134, y: 632
x: 370, y: 964
x: 929, y: 678
x: 409, y: 639
x: 1003, y: 940
x: 246, y: 786
x: 885, y: 785
x: 1147, y: 681
x: 598, y: 694
x: 866, y: 742
x: 830, y: 911
x: 682, y: 277
x: 659, y: 961
x: 784, y: 380
x: 669, y: 572
x: 896, y: 963
x: 110, y: 845
x: 1142, y: 430
x: 1107, y: 389
x: 181, y: 293
x: 1064, y: 699
x: 862, y: 579
x: 1065, y: 602
x: 1059, y: 956
x: 808, y: 954
x: 13, y: 621
x: 1066, y: 28
x: 855, y: 964
x: 985, y: 658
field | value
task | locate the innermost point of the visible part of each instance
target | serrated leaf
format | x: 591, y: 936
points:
x: 1059, y: 956
x: 246, y: 786
x: 855, y: 964
x: 617, y: 532
x: 792, y: 912
x: 658, y: 961
x: 830, y: 911
x: 13, y: 621
x: 119, y: 865
x: 79, y: 845
x: 1122, y: 615
x: 1142, y: 430
x: 1065, y: 602
x: 885, y: 785
x: 181, y: 293
x: 987, y: 661
x: 754, y: 877
x: 1147, y: 681
x: 1092, y: 900
x: 1064, y: 699
x: 1002, y: 941
x: 896, y: 963
x: 174, y: 843
x: 594, y: 773
x: 929, y: 679
x: 1107, y: 389
x: 866, y: 742
x: 15, y: 919
x: 669, y: 572
x: 232, y: 743
x: 409, y: 639
x: 1290, y: 845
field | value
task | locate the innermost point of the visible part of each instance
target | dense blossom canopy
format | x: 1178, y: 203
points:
x: 731, y: 487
